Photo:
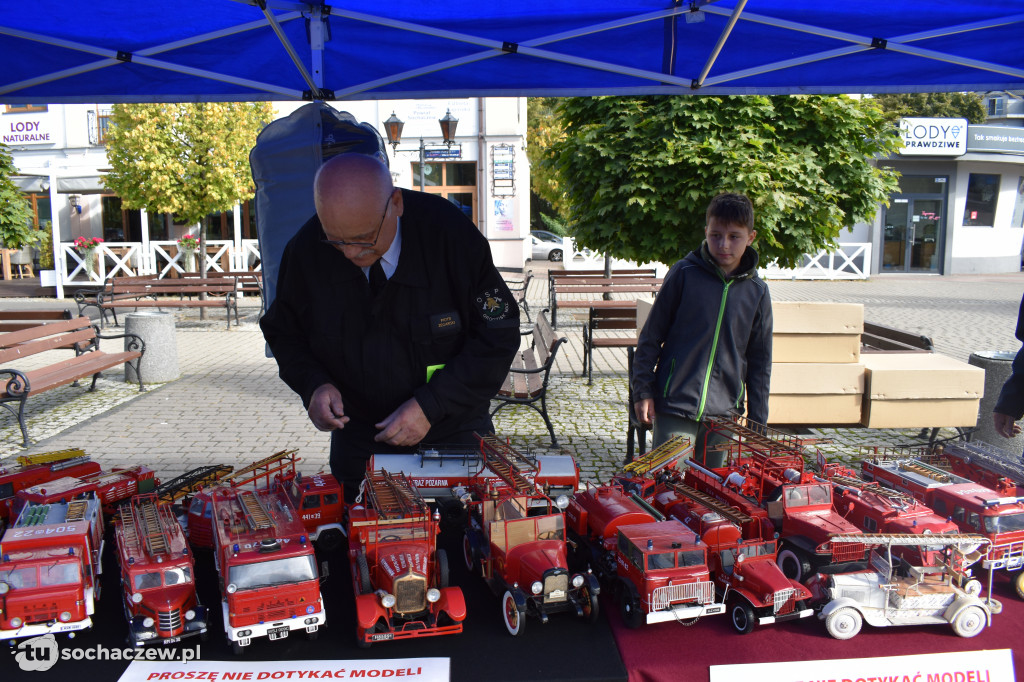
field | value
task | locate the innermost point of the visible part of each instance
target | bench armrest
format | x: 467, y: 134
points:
x: 18, y: 385
x: 134, y: 344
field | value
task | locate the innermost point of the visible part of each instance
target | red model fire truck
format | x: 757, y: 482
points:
x: 400, y: 578
x: 49, y: 569
x: 268, y: 574
x: 875, y: 508
x: 765, y: 479
x: 984, y: 463
x: 318, y: 499
x: 515, y: 538
x: 156, y: 574
x: 112, y: 488
x: 35, y: 469
x: 972, y: 506
x: 658, y: 567
x: 745, y: 571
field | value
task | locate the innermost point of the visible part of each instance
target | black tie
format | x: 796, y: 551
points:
x: 377, y: 279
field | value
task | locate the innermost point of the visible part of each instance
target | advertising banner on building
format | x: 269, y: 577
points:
x: 933, y: 136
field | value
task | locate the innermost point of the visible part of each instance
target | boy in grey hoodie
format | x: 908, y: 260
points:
x: 707, y: 343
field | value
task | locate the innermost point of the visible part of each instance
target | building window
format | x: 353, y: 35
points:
x: 456, y: 181
x: 997, y: 107
x: 1018, y: 205
x: 24, y: 108
x: 99, y: 121
x: 982, y: 195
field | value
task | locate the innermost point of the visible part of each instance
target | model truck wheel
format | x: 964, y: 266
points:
x: 591, y: 609
x: 364, y: 575
x: 794, y: 564
x: 236, y: 648
x: 844, y: 623
x: 631, y: 608
x: 467, y: 553
x: 742, y: 615
x: 513, y: 616
x: 442, y: 568
x: 329, y: 540
x: 969, y: 622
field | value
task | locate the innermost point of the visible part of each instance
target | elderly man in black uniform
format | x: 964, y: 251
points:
x: 390, y: 320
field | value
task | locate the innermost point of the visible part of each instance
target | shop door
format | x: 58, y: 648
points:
x: 913, y: 239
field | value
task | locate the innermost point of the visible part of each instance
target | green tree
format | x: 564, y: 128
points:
x: 638, y: 172
x: 187, y: 159
x: 933, y: 104
x: 16, y: 228
x: 543, y: 129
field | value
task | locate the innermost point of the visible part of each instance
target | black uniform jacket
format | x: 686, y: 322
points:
x: 446, y: 304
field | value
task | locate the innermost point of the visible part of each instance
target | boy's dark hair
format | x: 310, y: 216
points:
x: 732, y: 209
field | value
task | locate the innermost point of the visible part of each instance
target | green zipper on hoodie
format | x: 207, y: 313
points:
x: 714, y: 351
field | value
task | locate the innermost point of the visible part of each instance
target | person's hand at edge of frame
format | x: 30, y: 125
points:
x: 644, y: 410
x: 1005, y: 425
x: 326, y: 409
x: 405, y: 426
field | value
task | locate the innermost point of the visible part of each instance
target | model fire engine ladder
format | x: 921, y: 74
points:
x: 141, y: 521
x: 394, y: 496
x: 721, y: 508
x: 508, y: 464
x: 912, y: 539
x: 660, y: 457
x: 928, y: 471
x: 760, y: 438
x: 191, y: 481
x: 988, y: 457
x: 255, y: 514
x: 279, y: 461
x: 77, y: 510
x: 871, y: 486
x: 48, y: 457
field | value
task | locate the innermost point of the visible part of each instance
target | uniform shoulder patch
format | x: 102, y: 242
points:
x: 492, y: 305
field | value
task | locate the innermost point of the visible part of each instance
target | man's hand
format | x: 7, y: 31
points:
x: 405, y: 426
x: 644, y: 410
x: 326, y: 410
x: 1005, y: 425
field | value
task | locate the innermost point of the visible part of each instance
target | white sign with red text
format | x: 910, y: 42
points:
x: 960, y: 666
x: 393, y: 670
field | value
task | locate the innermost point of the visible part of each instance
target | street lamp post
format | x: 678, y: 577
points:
x: 393, y: 127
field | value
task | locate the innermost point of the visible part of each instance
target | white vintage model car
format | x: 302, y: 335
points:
x: 899, y: 594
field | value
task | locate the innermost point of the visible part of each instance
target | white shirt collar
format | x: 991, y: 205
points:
x: 389, y: 261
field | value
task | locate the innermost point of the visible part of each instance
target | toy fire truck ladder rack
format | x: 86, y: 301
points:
x: 989, y: 457
x: 892, y: 453
x: 68, y: 463
x: 191, y: 481
x: 52, y: 457
x: 911, y: 539
x: 722, y: 509
x: 760, y: 438
x: 141, y: 520
x: 508, y: 464
x: 660, y: 457
x: 255, y: 514
x: 77, y: 510
x: 928, y: 471
x: 279, y: 461
x: 876, y: 488
x: 393, y: 496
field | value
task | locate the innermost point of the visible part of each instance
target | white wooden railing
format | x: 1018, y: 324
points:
x: 849, y: 261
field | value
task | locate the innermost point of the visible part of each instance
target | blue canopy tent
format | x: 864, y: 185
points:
x: 194, y: 50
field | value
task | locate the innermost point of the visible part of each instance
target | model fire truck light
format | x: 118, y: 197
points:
x: 190, y: 615
x: 536, y: 587
x: 65, y: 616
x: 137, y: 597
x: 4, y: 587
x: 387, y: 600
x: 433, y: 595
x: 147, y: 622
x: 577, y: 580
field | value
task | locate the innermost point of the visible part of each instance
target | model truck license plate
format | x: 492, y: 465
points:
x: 277, y: 633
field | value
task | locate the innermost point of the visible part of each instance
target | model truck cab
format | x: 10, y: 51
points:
x: 157, y: 584
x: 35, y: 469
x: 399, y: 577
x: 49, y: 569
x: 744, y: 570
x: 893, y: 592
x: 319, y: 500
x: 268, y: 574
x: 971, y: 506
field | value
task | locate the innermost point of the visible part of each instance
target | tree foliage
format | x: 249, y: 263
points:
x: 15, y: 210
x: 638, y: 172
x: 967, y: 105
x: 543, y: 129
x: 189, y: 159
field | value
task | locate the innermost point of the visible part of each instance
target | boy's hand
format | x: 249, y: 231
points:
x: 644, y: 410
x: 1005, y: 425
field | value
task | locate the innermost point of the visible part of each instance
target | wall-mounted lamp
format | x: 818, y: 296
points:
x: 75, y: 201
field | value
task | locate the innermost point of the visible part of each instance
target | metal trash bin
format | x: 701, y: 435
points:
x: 159, y: 363
x: 998, y: 366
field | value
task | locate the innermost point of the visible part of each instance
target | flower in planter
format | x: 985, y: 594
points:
x: 188, y: 243
x: 85, y: 245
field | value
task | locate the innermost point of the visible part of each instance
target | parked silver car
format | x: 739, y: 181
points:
x: 547, y: 246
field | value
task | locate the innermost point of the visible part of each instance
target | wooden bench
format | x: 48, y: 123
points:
x: 877, y: 338
x: 13, y: 320
x: 518, y: 289
x: 150, y: 292
x: 580, y: 292
x: 603, y: 319
x: 88, y: 360
x: 527, y: 380
x: 247, y: 281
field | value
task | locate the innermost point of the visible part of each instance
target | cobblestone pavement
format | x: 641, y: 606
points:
x: 230, y: 407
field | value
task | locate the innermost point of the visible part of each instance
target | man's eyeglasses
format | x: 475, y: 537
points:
x: 365, y: 245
